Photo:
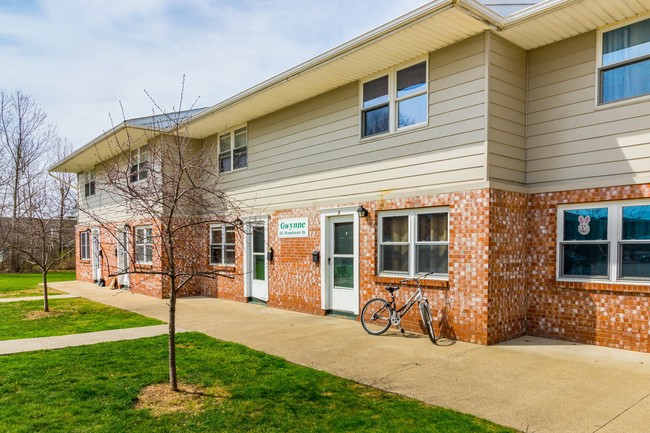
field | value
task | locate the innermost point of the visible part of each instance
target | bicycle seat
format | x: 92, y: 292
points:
x: 392, y: 289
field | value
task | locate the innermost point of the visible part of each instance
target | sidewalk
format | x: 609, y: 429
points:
x: 532, y: 384
x: 41, y: 343
x: 36, y: 298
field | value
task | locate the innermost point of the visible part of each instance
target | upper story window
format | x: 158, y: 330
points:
x: 89, y: 182
x: 143, y: 245
x: 414, y: 242
x: 139, y: 164
x: 605, y: 241
x: 222, y: 245
x: 624, y: 62
x: 233, y: 153
x: 396, y: 100
x: 84, y: 245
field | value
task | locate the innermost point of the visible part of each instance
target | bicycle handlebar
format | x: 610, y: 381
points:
x: 417, y: 278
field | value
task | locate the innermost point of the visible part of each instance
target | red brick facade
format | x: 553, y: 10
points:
x: 501, y: 283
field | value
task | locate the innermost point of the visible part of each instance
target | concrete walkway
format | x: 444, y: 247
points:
x: 29, y: 344
x: 36, y: 298
x: 532, y: 384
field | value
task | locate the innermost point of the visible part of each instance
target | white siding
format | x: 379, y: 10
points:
x: 312, y: 152
x: 571, y: 142
x: 507, y: 112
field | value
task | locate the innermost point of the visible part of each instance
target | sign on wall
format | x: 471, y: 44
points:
x: 293, y: 228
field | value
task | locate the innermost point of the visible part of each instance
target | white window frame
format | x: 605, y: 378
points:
x: 84, y: 245
x: 412, y: 215
x: 600, y: 68
x: 393, y: 100
x: 614, y: 239
x: 141, y: 164
x: 148, y: 243
x: 223, y: 244
x: 89, y: 179
x: 242, y: 129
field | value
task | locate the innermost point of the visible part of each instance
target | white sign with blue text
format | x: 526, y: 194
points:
x: 293, y: 228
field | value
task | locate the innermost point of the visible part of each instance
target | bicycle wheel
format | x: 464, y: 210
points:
x: 425, y: 312
x: 375, y: 316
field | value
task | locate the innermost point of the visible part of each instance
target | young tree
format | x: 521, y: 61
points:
x: 173, y: 184
x: 40, y: 229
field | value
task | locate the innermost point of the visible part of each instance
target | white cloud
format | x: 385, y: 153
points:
x: 79, y: 58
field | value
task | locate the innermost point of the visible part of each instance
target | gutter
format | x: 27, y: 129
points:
x: 63, y: 181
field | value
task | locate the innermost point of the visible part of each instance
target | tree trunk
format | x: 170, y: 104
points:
x: 46, y: 302
x: 173, y: 382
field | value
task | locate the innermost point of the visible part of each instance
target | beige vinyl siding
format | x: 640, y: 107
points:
x: 571, y: 142
x: 312, y: 152
x: 507, y: 112
x: 103, y: 203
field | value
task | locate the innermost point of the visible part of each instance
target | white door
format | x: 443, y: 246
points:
x: 258, y: 272
x: 340, y: 264
x: 96, y: 255
x: 123, y: 259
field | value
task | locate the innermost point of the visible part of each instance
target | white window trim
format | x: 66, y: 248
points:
x: 136, y: 244
x: 393, y: 100
x: 231, y: 132
x: 599, y: 65
x: 412, y: 214
x: 614, y: 234
x: 82, y: 256
x: 89, y: 178
x: 223, y: 245
x: 138, y: 160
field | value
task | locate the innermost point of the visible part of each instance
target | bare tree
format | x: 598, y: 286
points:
x: 172, y: 185
x: 39, y: 230
x: 24, y: 138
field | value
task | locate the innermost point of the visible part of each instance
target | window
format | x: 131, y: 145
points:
x: 84, y: 245
x: 625, y: 62
x: 414, y: 242
x: 89, y: 182
x: 139, y: 167
x: 608, y: 241
x: 143, y: 245
x: 395, y: 100
x: 222, y: 245
x: 233, y: 150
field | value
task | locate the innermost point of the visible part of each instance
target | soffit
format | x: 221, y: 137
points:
x: 102, y: 148
x: 553, y: 20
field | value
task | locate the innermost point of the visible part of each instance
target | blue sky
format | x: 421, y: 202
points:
x: 80, y: 58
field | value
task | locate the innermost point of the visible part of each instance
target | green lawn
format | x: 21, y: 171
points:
x: 26, y: 319
x: 16, y: 285
x: 93, y: 389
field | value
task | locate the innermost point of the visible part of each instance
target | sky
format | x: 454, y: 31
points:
x: 83, y: 60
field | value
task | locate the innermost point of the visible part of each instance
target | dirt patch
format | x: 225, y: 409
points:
x: 192, y: 399
x: 40, y: 314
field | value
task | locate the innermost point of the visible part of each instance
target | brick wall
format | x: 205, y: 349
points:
x: 614, y: 315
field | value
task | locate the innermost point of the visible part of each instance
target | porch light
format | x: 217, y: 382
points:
x: 238, y: 222
x: 127, y: 227
x: 362, y: 211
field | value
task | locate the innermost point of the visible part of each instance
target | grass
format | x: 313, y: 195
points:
x: 17, y: 285
x: 26, y: 319
x: 94, y: 389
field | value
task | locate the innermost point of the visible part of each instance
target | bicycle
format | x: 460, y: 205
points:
x: 379, y: 314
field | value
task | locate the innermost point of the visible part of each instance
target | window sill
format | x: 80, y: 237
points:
x: 401, y: 131
x: 623, y: 286
x: 223, y: 267
x: 427, y: 282
x: 622, y: 102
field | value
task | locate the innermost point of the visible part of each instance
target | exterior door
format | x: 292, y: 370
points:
x: 123, y: 259
x: 340, y: 262
x: 258, y: 265
x: 96, y: 255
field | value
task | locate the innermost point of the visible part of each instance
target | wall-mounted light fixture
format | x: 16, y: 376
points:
x: 362, y: 211
x: 238, y: 222
x: 127, y: 227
